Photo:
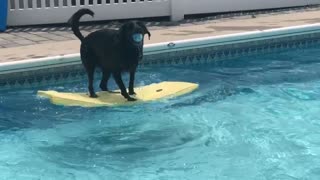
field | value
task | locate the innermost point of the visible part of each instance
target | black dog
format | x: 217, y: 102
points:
x: 114, y: 51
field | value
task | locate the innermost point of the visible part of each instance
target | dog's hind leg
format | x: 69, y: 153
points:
x: 90, y: 71
x: 118, y: 79
x: 87, y: 58
x: 90, y: 67
x: 104, y: 81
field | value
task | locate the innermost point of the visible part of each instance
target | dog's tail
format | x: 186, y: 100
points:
x: 74, y: 21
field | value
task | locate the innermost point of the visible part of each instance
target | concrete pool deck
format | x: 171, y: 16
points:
x: 27, y: 43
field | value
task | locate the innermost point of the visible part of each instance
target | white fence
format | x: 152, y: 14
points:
x: 211, y: 6
x: 30, y: 12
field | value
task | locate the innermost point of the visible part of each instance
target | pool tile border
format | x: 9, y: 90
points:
x: 64, y: 69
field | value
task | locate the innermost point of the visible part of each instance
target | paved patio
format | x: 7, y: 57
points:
x: 35, y: 42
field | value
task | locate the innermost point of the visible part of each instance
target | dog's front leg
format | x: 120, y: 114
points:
x: 104, y: 81
x: 118, y: 79
x: 131, y: 82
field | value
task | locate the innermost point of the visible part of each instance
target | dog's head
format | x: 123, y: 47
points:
x: 134, y: 32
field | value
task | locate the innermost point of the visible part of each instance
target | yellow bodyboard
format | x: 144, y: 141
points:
x: 143, y: 94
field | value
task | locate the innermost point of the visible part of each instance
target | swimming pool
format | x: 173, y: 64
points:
x: 252, y: 118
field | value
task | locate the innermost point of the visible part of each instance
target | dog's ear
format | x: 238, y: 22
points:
x: 145, y: 29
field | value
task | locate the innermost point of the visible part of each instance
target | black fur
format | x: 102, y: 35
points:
x: 114, y: 51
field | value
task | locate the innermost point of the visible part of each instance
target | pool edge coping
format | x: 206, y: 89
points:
x: 74, y: 59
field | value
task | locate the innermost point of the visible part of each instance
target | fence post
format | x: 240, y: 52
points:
x: 177, y: 10
x: 3, y: 14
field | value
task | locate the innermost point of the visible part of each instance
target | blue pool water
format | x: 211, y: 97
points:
x: 252, y: 118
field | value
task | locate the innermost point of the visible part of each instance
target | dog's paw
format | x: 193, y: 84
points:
x: 104, y: 88
x: 93, y: 95
x: 131, y: 99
